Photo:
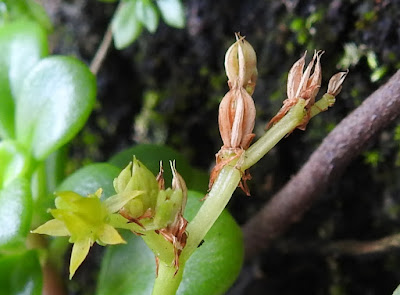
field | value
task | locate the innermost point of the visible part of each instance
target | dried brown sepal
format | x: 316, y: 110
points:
x: 160, y: 177
x: 177, y: 236
x: 175, y: 233
x: 243, y: 182
x: 335, y: 83
x: 179, y: 183
x: 301, y: 85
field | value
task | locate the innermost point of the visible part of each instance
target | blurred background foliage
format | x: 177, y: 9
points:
x: 166, y: 87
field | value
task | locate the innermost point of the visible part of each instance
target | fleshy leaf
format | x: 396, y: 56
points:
x: 172, y: 12
x: 211, y: 270
x: 14, y: 162
x: 15, y: 213
x: 62, y: 92
x: 147, y: 14
x: 125, y: 25
x: 21, y: 274
x: 22, y: 45
x: 79, y: 252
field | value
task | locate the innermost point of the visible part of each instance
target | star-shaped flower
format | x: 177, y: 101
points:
x: 85, y: 220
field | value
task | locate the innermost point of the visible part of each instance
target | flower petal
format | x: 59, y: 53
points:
x: 52, y: 227
x: 79, y: 252
x: 110, y: 236
x: 116, y: 202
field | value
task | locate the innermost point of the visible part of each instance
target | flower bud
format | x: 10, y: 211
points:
x: 169, y: 205
x: 241, y: 65
x: 136, y: 177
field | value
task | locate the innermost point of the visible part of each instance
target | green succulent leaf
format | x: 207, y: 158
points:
x: 39, y: 14
x: 15, y: 213
x: 211, y: 270
x: 125, y: 25
x: 172, y: 12
x: 14, y: 162
x: 28, y: 10
x: 22, y: 45
x: 62, y: 92
x: 21, y: 274
x: 90, y: 178
x: 147, y: 14
x: 195, y: 179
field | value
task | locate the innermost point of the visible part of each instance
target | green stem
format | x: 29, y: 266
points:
x: 227, y: 181
x: 212, y: 207
x: 167, y: 282
x: 266, y: 142
x: 323, y: 104
x: 160, y: 246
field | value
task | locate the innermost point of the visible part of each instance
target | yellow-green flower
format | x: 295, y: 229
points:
x: 85, y: 220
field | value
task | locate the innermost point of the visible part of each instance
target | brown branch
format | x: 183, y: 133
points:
x: 341, y: 247
x: 324, y: 166
x: 352, y: 247
x: 101, y: 51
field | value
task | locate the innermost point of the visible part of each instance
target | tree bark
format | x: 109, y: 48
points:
x: 324, y: 167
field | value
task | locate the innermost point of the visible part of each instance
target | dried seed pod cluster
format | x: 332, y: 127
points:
x: 304, y: 85
x: 237, y: 111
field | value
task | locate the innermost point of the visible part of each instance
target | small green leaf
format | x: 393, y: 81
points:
x: 378, y: 73
x: 21, y: 274
x: 56, y: 99
x: 22, y: 45
x: 211, y: 270
x: 397, y: 291
x: 39, y: 14
x: 14, y: 162
x: 15, y: 213
x: 147, y: 14
x: 172, y: 12
x: 90, y: 178
x: 125, y: 25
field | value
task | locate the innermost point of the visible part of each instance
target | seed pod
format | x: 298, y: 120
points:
x: 236, y: 119
x: 335, y: 83
x: 241, y: 65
